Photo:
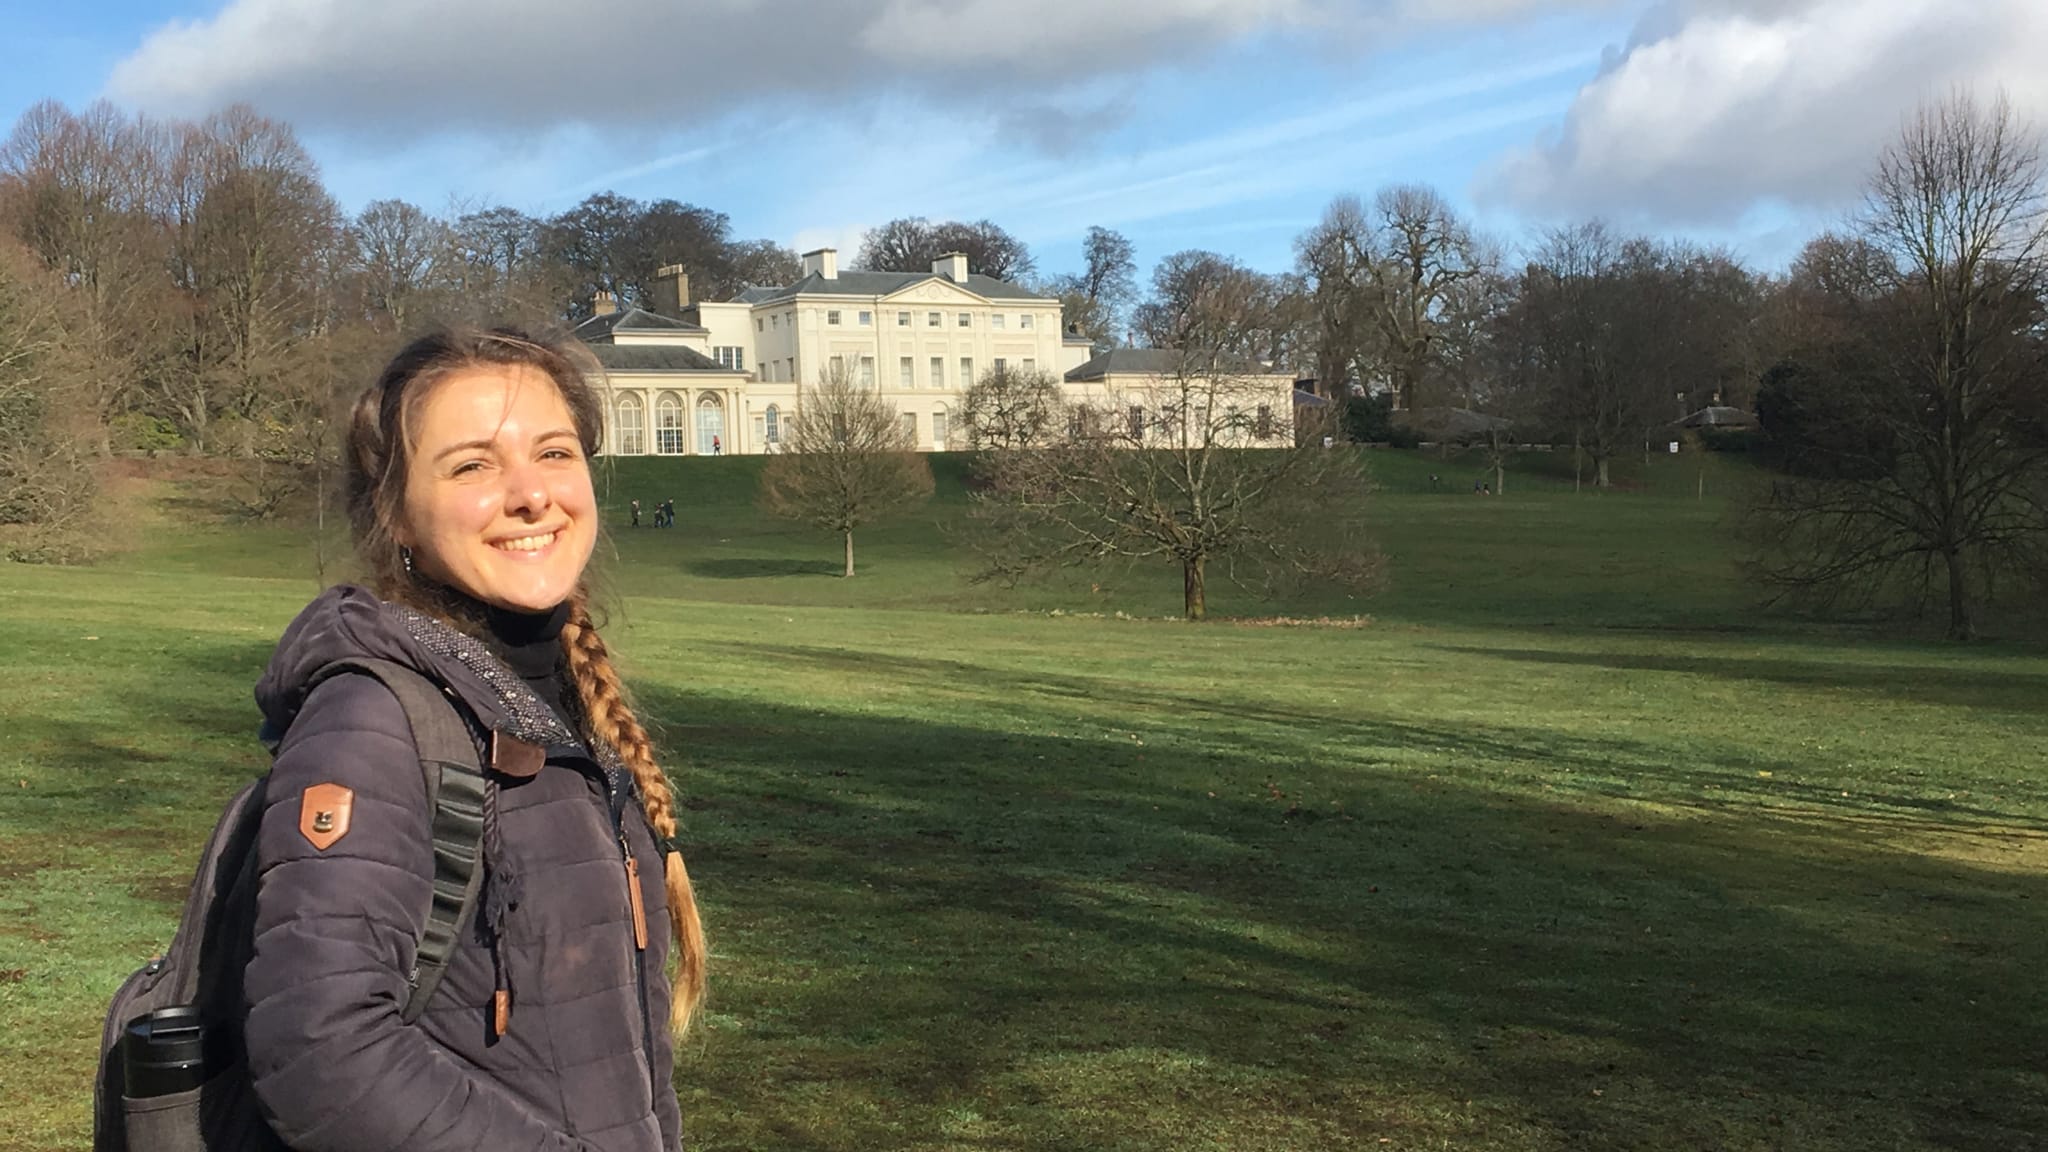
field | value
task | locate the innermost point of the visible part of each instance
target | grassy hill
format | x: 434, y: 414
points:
x: 1568, y: 849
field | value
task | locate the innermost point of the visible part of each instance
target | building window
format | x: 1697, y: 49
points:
x: 1024, y: 321
x: 710, y: 425
x: 905, y: 376
x: 867, y: 319
x: 903, y: 319
x: 967, y: 371
x: 1001, y: 364
x: 867, y: 371
x: 772, y: 433
x: 931, y: 319
x: 939, y: 429
x: 832, y: 316
x: 773, y: 321
x: 1137, y: 425
x: 910, y: 428
x: 632, y: 426
x: 1030, y: 364
x: 995, y: 320
x: 938, y: 371
x: 1264, y: 428
x: 760, y: 325
x: 967, y: 319
x: 732, y: 356
x: 668, y: 425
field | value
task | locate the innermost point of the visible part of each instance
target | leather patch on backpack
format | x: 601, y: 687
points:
x: 323, y: 814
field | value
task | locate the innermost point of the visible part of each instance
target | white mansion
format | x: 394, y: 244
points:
x: 701, y: 377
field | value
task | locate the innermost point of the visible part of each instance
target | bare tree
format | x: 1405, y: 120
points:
x: 1918, y: 427
x: 1209, y: 301
x: 1201, y: 469
x: 1012, y: 408
x: 397, y: 249
x: 1093, y: 301
x: 847, y: 460
x: 1425, y: 253
x: 44, y: 483
x: 913, y: 243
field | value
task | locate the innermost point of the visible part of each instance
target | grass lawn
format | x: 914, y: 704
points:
x: 1568, y: 849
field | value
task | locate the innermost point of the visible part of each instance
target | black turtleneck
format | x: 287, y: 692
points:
x: 531, y: 644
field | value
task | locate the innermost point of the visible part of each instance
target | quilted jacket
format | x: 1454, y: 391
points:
x: 586, y: 1061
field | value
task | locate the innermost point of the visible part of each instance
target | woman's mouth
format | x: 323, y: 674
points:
x: 534, y: 543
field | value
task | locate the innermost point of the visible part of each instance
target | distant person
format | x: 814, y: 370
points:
x: 635, y: 507
x: 716, y: 447
x: 555, y: 1024
x: 668, y: 513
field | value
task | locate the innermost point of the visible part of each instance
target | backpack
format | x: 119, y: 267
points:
x: 203, y: 966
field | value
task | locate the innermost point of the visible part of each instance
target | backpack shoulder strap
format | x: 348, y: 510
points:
x: 453, y: 772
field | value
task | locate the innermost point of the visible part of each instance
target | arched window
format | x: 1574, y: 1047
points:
x: 668, y: 425
x: 632, y: 435
x: 774, y: 429
x: 710, y: 425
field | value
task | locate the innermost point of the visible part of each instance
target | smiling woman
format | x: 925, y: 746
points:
x: 553, y: 1023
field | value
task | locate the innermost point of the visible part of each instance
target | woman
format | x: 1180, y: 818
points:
x: 471, y: 500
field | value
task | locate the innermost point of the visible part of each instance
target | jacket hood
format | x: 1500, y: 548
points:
x: 348, y: 621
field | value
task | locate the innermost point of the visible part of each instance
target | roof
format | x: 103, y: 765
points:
x: 1154, y: 362
x: 1719, y: 416
x: 632, y: 320
x: 657, y: 358
x: 1306, y: 399
x: 868, y: 284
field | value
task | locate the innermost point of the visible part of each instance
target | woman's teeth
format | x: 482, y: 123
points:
x: 526, y: 543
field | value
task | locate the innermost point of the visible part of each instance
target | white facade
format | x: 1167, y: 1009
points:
x: 722, y: 377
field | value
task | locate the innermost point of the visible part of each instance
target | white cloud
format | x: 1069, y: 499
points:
x: 393, y: 69
x: 1717, y: 106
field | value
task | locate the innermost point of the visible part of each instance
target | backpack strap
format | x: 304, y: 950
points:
x: 453, y: 771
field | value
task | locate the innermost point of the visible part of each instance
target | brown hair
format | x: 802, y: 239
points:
x: 378, y: 460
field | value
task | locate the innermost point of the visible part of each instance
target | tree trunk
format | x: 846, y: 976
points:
x: 1195, y: 598
x: 849, y: 554
x: 1500, y: 478
x: 1600, y: 473
x: 1959, y: 627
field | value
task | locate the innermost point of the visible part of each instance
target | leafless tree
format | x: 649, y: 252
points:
x: 397, y: 251
x: 912, y: 243
x: 847, y: 460
x: 44, y: 482
x: 1209, y: 301
x: 1093, y: 301
x: 1918, y: 427
x: 1012, y: 408
x: 1201, y: 469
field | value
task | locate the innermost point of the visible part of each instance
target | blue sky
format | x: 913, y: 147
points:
x: 1221, y: 124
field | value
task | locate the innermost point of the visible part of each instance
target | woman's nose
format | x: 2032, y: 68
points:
x: 526, y: 491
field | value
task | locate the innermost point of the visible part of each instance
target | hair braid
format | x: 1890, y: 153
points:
x: 610, y: 719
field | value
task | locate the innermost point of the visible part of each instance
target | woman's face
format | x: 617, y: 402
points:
x: 498, y: 500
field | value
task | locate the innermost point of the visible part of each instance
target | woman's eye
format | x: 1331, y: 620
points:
x: 558, y: 454
x: 467, y: 466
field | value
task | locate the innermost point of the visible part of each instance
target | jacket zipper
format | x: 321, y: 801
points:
x: 618, y: 814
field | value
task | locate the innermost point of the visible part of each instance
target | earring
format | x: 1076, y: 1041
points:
x: 405, y: 557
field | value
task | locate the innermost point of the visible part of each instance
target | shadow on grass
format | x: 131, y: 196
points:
x: 750, y: 567
x: 940, y: 917
x: 2010, y: 690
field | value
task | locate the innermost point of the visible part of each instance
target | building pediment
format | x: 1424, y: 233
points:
x: 934, y: 292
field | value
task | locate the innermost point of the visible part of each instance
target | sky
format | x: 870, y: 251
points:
x: 1220, y: 124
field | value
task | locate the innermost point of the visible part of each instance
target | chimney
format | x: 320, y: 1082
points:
x: 671, y: 291
x: 601, y: 304
x: 823, y: 263
x: 953, y: 266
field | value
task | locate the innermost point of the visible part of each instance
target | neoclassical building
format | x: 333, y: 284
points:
x: 697, y: 378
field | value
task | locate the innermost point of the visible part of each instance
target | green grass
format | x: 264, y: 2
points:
x: 1569, y: 849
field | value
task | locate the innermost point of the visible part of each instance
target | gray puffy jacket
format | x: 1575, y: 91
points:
x: 586, y: 1062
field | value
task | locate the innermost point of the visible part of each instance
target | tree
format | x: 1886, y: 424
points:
x: 397, y: 250
x: 1209, y: 301
x: 1094, y: 300
x: 913, y: 243
x: 847, y: 460
x: 1199, y: 471
x: 43, y: 482
x: 1012, y: 408
x: 1920, y: 419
